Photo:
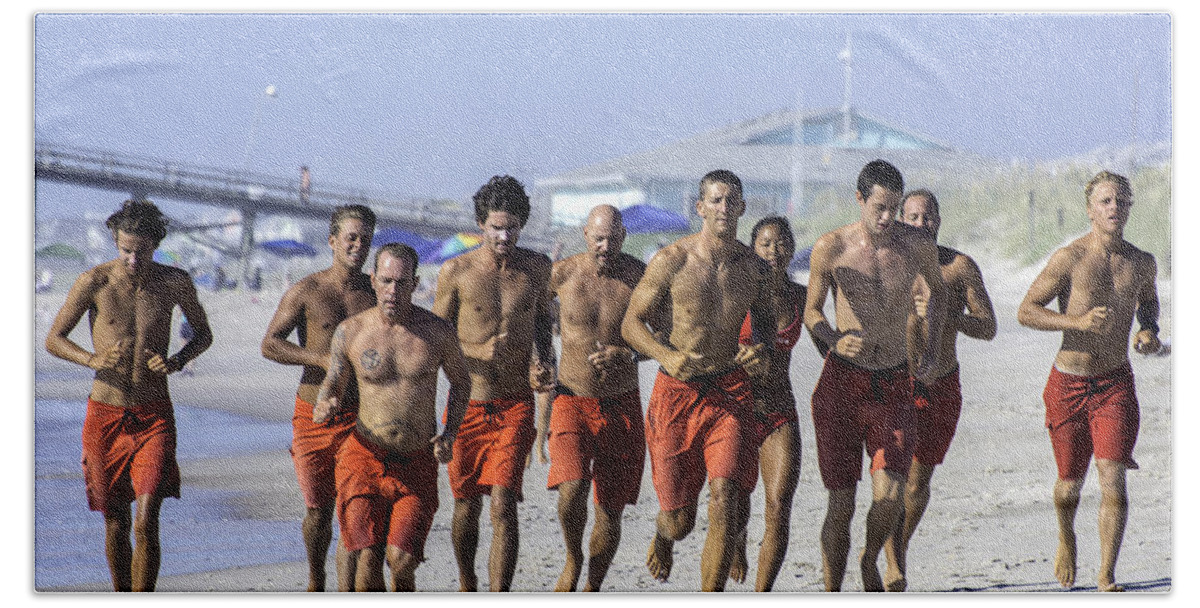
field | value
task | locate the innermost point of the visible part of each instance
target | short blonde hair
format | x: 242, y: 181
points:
x: 1121, y: 181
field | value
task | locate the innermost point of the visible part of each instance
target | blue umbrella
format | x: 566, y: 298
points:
x: 641, y: 219
x: 426, y: 249
x: 288, y: 248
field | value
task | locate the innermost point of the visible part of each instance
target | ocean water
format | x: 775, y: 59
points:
x: 199, y: 532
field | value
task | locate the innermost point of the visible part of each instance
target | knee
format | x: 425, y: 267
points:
x: 401, y: 562
x: 676, y: 524
x: 1066, y: 493
x: 503, y: 513
x: 145, y: 527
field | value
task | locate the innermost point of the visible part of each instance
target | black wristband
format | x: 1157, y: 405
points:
x: 1151, y: 325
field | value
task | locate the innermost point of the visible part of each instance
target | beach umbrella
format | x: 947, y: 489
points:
x: 61, y: 251
x: 167, y: 258
x: 426, y: 248
x: 640, y: 219
x: 288, y: 248
x: 456, y: 245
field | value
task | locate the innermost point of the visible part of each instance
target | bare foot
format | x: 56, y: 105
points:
x: 870, y: 573
x: 660, y: 558
x: 569, y: 577
x: 738, y: 568
x: 1110, y: 587
x: 1064, y: 561
x: 895, y: 582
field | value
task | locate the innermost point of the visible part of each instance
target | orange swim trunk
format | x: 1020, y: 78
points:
x: 704, y: 425
x: 491, y: 445
x: 385, y: 497
x: 598, y: 439
x: 128, y: 452
x: 314, y: 452
x: 1090, y: 415
x: 938, y: 408
x: 852, y: 407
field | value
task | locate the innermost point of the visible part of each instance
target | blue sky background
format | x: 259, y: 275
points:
x: 434, y: 104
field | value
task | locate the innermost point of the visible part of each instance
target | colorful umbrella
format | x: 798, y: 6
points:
x: 457, y: 245
x: 288, y: 248
x: 167, y: 258
x: 426, y: 248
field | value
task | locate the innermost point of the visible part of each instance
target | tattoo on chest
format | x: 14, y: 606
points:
x: 370, y: 359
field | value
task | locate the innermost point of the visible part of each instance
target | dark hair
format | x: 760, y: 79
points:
x: 360, y: 212
x: 502, y: 193
x: 928, y: 196
x: 398, y: 251
x: 882, y: 173
x: 721, y: 176
x: 785, y: 228
x: 140, y: 218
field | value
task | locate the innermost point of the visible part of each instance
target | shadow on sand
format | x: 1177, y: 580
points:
x: 1158, y: 584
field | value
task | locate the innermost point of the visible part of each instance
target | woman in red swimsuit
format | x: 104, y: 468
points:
x: 777, y: 421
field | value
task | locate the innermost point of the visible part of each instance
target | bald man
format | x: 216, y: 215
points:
x: 596, y: 430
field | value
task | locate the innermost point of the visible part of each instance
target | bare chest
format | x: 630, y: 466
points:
x: 881, y: 276
x: 507, y: 294
x: 1099, y: 279
x: 392, y: 357
x: 122, y: 310
x: 593, y: 302
x: 328, y: 307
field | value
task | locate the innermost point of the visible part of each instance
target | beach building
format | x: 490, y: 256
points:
x: 786, y: 159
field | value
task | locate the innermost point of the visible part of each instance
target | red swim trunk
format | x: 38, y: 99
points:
x: 938, y: 407
x: 702, y: 425
x: 853, y: 406
x: 491, y: 445
x: 766, y: 423
x: 314, y: 452
x: 599, y: 439
x: 1090, y: 415
x: 383, y: 496
x: 128, y: 452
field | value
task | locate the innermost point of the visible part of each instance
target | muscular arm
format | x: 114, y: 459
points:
x: 58, y: 342
x: 455, y: 368
x: 276, y: 346
x: 543, y: 324
x: 333, y: 387
x: 1053, y: 282
x: 820, y: 282
x: 1146, y: 340
x: 644, y: 303
x: 980, y: 320
x: 935, y: 314
x: 189, y: 303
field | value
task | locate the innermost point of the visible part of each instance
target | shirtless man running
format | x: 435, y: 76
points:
x: 497, y: 298
x: 864, y: 395
x: 969, y: 311
x: 129, y: 431
x: 387, y: 489
x: 312, y: 308
x: 596, y: 430
x: 700, y: 415
x: 1101, y: 282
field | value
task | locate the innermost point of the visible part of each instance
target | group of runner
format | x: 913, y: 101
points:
x: 718, y: 316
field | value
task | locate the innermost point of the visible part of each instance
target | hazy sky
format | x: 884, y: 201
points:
x: 432, y: 105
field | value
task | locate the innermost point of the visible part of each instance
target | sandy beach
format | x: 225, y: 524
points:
x: 989, y: 527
